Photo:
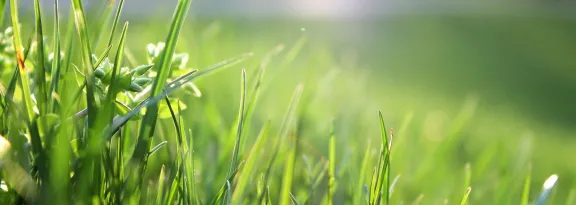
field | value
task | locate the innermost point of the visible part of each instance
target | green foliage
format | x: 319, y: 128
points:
x: 81, y: 125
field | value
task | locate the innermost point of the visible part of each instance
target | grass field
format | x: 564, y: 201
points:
x: 411, y: 109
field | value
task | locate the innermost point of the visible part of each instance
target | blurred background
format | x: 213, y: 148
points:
x: 499, y: 75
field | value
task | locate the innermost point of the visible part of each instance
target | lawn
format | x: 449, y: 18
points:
x: 408, y: 109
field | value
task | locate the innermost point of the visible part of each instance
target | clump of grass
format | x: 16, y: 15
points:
x: 81, y: 129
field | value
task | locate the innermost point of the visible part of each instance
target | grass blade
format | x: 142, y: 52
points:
x: 56, y: 56
x: 383, y: 172
x: 42, y: 95
x: 160, y: 189
x: 546, y: 189
x: 169, y: 88
x: 148, y: 124
x: 115, y: 22
x: 244, y: 176
x: 526, y: 188
x: 283, y: 131
x: 113, y: 89
x: 25, y: 82
x: 154, y: 149
x: 464, y: 200
x: 240, y: 124
x: 293, y: 199
x: 361, y: 178
x: 288, y: 175
x: 81, y: 27
x: 332, y: 166
x: 2, y: 8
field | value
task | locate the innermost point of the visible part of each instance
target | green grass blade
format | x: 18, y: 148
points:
x: 115, y: 22
x: 56, y: 68
x: 418, y: 200
x: 294, y: 51
x: 361, y: 177
x: 114, y: 89
x: 283, y: 131
x: 42, y: 95
x: 288, y: 175
x: 293, y: 199
x: 160, y: 189
x: 526, y: 188
x: 332, y: 166
x: 176, y: 170
x: 157, y: 147
x: 25, y: 82
x: 464, y: 200
x: 221, y: 65
x: 223, y: 189
x: 8, y: 97
x: 86, y: 53
x: 257, y: 87
x: 467, y: 175
x: 170, y: 87
x: 2, y: 8
x: 240, y: 125
x: 244, y: 176
x: 148, y: 124
x: 383, y: 173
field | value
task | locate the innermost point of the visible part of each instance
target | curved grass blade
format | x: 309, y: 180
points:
x: 169, y: 88
x: 157, y: 147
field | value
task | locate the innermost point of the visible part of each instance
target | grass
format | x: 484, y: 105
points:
x: 131, y: 125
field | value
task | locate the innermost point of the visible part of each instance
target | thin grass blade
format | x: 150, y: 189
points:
x: 332, y: 166
x: 240, y: 123
x: 40, y: 70
x: 147, y: 127
x: 56, y: 68
x: 526, y: 188
x: 244, y: 176
x: 464, y: 200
